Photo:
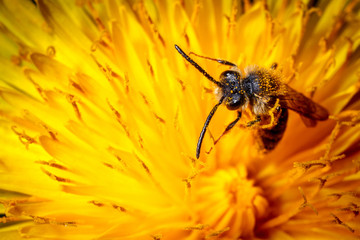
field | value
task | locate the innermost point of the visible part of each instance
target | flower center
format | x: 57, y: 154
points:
x: 228, y: 202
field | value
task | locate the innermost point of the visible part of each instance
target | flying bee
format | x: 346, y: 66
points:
x: 262, y: 92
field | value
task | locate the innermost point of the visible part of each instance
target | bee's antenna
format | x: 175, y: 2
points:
x: 202, y: 134
x: 197, y: 66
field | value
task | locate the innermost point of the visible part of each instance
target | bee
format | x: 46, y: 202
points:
x: 261, y: 91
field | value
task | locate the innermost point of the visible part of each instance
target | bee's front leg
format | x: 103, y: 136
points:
x: 230, y: 126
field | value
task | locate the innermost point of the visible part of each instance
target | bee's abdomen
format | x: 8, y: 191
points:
x: 270, y: 137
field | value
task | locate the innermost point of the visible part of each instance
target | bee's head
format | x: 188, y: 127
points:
x: 231, y: 93
x: 231, y: 89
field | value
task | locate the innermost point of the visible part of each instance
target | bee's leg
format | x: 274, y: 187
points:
x: 230, y: 126
x: 274, y: 110
x: 214, y: 59
x: 256, y: 120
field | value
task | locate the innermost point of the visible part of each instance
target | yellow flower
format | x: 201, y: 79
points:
x: 100, y: 117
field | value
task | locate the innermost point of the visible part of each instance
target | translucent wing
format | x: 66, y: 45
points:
x: 310, y: 111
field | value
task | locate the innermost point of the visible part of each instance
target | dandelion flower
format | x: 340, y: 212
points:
x: 100, y: 117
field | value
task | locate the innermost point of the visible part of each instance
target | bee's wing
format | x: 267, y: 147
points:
x: 308, y: 121
x: 310, y: 111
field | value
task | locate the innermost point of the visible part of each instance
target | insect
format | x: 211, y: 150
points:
x: 262, y: 92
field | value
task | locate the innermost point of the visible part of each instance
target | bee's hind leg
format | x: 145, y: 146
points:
x: 275, y: 110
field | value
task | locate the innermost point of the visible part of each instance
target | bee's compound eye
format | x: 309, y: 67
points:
x: 229, y: 77
x: 235, y: 101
